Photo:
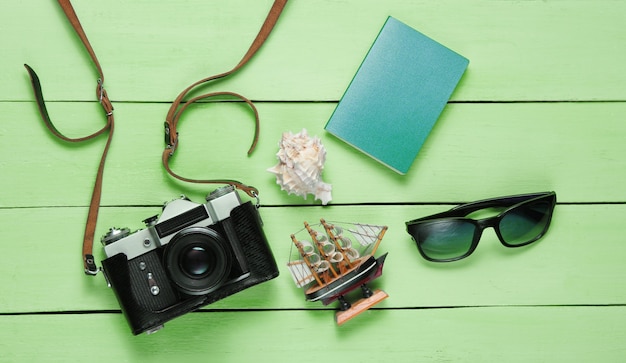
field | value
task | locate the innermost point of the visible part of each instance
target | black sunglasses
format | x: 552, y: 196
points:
x: 451, y: 236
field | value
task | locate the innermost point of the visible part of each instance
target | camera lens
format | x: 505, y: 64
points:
x: 197, y: 260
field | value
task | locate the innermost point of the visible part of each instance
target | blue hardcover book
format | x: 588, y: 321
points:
x: 397, y: 95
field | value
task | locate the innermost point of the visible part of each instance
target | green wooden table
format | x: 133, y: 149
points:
x: 542, y: 106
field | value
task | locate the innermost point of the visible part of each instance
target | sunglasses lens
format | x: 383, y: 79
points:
x: 444, y: 240
x: 525, y: 223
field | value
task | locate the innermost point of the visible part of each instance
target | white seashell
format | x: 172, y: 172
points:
x: 300, y: 164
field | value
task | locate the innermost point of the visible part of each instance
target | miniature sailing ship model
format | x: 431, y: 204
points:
x: 334, y: 259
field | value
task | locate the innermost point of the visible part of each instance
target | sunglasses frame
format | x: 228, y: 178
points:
x: 461, y: 211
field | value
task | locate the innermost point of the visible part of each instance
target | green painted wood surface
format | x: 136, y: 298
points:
x: 542, y: 107
x: 519, y: 50
x: 511, y: 334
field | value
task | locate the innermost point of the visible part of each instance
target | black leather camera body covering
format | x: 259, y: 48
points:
x: 147, y: 312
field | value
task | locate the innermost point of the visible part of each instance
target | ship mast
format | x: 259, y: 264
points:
x: 306, y: 259
x: 378, y: 240
x: 321, y: 247
x: 347, y: 264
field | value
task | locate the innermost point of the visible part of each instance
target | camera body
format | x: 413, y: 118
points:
x: 189, y: 256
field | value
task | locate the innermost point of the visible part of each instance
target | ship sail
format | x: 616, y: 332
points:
x: 300, y: 273
x: 366, y: 234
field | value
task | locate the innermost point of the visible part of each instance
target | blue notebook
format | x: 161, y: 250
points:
x: 397, y: 95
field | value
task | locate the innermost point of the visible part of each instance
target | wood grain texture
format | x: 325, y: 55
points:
x: 541, y: 107
x: 511, y: 334
x: 519, y: 50
x: 474, y: 151
x: 579, y: 261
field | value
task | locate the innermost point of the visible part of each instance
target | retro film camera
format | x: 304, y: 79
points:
x: 192, y: 255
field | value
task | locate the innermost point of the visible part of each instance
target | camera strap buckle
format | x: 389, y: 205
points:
x: 171, y: 139
x: 90, y: 266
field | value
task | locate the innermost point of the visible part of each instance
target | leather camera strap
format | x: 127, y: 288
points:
x: 172, y: 118
x: 103, y: 98
x: 178, y: 107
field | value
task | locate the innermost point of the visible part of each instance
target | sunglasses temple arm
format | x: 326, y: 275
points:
x: 445, y: 214
x: 465, y: 209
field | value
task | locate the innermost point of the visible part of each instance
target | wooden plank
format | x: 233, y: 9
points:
x: 519, y: 50
x: 511, y: 334
x: 475, y: 151
x: 579, y: 261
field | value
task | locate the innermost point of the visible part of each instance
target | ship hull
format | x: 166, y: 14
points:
x: 367, y: 271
